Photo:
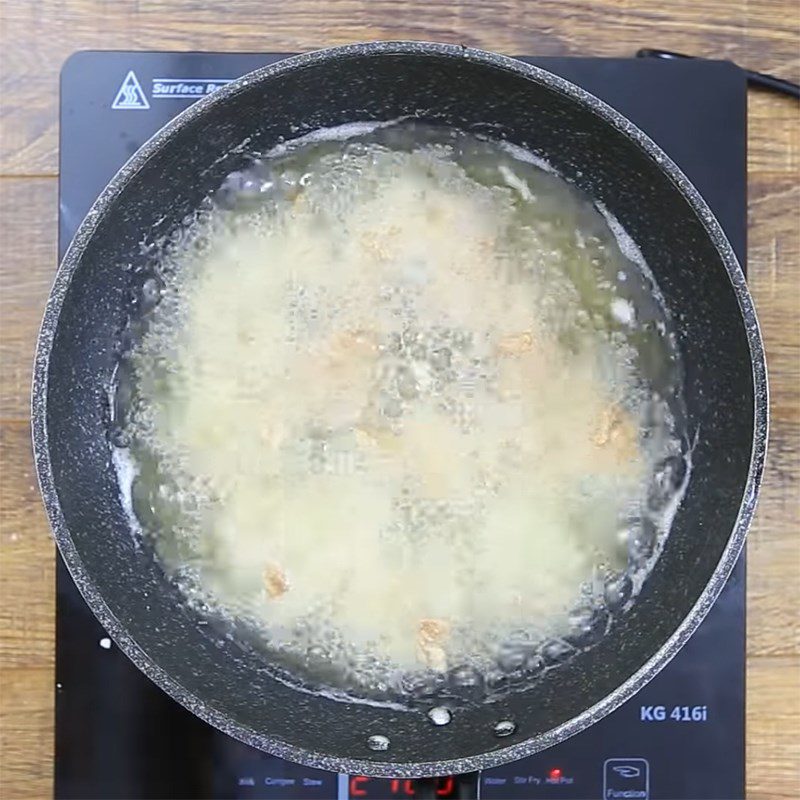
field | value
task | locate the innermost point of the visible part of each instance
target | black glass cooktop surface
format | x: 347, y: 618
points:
x: 119, y: 736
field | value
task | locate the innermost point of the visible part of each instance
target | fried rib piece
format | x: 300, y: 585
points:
x: 275, y: 581
x: 430, y: 639
x: 617, y: 432
x: 515, y: 344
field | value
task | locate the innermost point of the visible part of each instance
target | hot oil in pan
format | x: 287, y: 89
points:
x: 406, y: 413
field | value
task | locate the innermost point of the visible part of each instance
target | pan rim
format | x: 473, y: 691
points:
x: 211, y: 715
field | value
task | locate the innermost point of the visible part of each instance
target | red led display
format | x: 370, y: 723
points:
x: 361, y: 786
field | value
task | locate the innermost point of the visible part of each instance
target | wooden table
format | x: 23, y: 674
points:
x: 35, y: 39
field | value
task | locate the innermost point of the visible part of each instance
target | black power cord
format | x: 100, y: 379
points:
x: 760, y: 79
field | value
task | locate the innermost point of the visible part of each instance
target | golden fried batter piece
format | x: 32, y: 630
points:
x: 345, y: 345
x: 515, y: 344
x: 376, y: 245
x: 369, y: 436
x: 430, y: 638
x: 275, y: 581
x: 617, y: 432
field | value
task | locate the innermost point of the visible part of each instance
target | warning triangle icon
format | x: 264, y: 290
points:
x: 130, y: 94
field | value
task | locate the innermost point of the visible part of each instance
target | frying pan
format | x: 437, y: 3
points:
x: 590, y: 144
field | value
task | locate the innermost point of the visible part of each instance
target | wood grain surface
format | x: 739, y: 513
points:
x: 36, y: 37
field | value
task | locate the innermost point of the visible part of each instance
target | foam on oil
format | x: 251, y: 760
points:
x: 407, y: 411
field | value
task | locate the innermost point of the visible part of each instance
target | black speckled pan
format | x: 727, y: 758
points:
x: 590, y: 144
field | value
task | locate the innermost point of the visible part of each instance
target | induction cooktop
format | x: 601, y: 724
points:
x: 120, y: 736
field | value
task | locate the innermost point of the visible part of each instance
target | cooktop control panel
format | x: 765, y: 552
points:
x: 119, y: 736
x: 671, y: 741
